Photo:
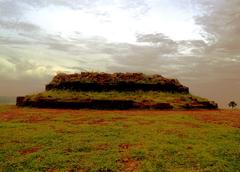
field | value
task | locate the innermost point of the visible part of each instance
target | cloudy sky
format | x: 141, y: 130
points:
x: 196, y: 41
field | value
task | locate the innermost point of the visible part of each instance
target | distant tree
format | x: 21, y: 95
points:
x: 232, y: 104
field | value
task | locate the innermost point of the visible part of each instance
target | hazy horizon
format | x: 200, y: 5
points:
x: 195, y: 41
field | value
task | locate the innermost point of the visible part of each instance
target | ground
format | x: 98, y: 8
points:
x: 127, y: 141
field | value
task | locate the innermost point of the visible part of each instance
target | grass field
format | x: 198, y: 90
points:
x: 90, y: 140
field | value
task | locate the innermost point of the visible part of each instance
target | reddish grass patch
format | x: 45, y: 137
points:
x: 145, y: 122
x: 174, y: 131
x: 89, y: 121
x: 104, y: 146
x: 51, y: 170
x: 129, y: 165
x: 185, y: 123
x: 33, y: 115
x: 124, y: 146
x: 30, y: 150
x: 26, y: 115
x: 226, y: 117
x: 62, y: 130
x: 117, y: 119
x: 11, y: 113
x: 70, y: 170
x: 98, y: 122
x: 35, y: 119
x: 77, y: 121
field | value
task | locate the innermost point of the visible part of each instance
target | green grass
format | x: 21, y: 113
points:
x: 66, y: 140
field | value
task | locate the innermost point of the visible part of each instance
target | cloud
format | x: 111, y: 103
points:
x: 80, y: 53
x: 155, y: 38
x: 222, y: 25
x: 6, y: 68
x: 81, y: 4
x: 152, y: 53
x: 19, y: 26
x: 156, y: 53
x: 12, y: 9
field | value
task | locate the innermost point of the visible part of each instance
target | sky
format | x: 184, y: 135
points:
x: 195, y: 41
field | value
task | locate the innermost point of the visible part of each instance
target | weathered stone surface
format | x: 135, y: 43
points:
x: 108, y: 104
x: 201, y: 105
x: 91, y: 104
x: 115, y: 82
x: 83, y: 104
x: 162, y: 106
x: 151, y: 105
x: 20, y: 101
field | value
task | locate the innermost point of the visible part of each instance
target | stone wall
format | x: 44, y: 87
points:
x: 78, y: 86
x: 115, y: 82
x: 90, y: 104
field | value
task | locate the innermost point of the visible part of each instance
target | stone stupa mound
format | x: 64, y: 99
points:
x: 115, y: 91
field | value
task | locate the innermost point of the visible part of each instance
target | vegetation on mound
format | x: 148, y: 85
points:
x: 93, y: 141
x: 117, y: 100
x: 138, y: 96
